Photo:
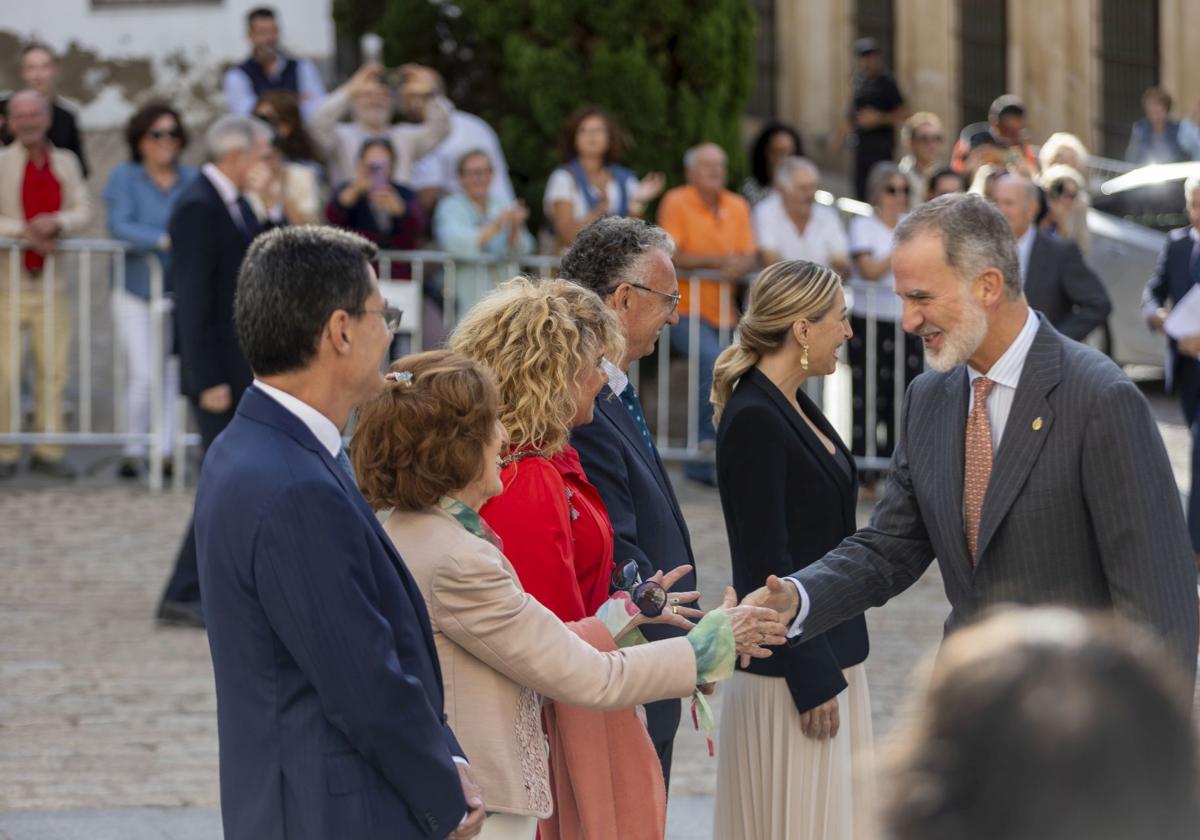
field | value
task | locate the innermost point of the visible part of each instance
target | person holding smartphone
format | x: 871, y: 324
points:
x: 375, y: 206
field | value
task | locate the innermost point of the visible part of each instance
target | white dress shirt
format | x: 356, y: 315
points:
x: 821, y: 241
x: 468, y: 133
x: 1006, y: 373
x: 618, y: 380
x: 322, y: 427
x: 1024, y: 249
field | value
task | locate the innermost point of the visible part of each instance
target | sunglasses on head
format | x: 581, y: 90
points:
x: 649, y: 597
x: 157, y: 134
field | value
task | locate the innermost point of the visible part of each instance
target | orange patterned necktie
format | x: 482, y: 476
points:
x: 978, y: 463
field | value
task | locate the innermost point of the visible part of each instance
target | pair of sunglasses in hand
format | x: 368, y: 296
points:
x: 648, y: 596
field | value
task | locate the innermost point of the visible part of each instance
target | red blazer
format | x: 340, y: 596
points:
x: 556, y: 533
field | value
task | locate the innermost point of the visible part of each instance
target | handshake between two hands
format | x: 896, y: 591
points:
x: 759, y: 621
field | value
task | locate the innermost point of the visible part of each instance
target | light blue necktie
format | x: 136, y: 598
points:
x: 344, y: 462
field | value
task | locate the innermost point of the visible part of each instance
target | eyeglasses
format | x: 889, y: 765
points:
x: 892, y: 189
x: 476, y: 171
x: 673, y: 297
x: 172, y: 133
x: 391, y: 316
x: 928, y: 138
x: 649, y: 597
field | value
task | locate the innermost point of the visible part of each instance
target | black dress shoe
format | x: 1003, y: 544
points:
x: 53, y: 469
x: 181, y: 614
x: 8, y: 469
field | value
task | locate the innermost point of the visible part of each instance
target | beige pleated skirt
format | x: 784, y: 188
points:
x: 774, y: 783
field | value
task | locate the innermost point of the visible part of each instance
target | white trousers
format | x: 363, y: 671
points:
x: 132, y: 315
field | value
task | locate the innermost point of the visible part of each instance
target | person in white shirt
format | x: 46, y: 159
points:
x: 875, y: 319
x: 789, y: 224
x: 436, y: 173
x: 372, y: 107
x: 270, y: 68
x: 591, y: 184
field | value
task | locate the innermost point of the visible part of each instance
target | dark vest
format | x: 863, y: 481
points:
x: 288, y: 79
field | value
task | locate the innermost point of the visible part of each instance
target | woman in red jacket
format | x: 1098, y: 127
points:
x: 544, y: 342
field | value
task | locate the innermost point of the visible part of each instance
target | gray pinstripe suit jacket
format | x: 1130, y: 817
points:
x: 1081, y: 510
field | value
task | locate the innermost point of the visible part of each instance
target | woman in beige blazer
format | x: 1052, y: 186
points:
x: 428, y: 448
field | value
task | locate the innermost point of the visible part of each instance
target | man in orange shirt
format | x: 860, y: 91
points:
x: 711, y: 228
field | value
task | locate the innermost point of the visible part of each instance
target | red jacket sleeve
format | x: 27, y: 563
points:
x: 533, y: 520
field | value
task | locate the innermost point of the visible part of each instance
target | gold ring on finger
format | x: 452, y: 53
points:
x: 675, y: 610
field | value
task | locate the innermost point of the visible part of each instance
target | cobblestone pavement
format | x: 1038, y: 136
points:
x: 100, y: 710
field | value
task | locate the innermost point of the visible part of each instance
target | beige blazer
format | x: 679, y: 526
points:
x: 500, y: 649
x: 76, y: 204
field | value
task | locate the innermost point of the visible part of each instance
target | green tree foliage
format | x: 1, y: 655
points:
x: 673, y: 72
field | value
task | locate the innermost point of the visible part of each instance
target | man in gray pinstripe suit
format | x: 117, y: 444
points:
x: 1074, y: 503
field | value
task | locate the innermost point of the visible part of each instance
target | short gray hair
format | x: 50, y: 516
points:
x: 234, y: 132
x: 786, y: 170
x: 975, y: 236
x: 33, y: 96
x: 1032, y: 194
x: 878, y: 177
x: 1189, y: 188
x: 689, y: 157
x: 606, y: 252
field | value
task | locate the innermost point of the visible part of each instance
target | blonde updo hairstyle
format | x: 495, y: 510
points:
x: 540, y: 338
x: 783, y: 294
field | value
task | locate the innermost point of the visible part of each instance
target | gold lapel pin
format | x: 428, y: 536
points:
x: 1037, y: 424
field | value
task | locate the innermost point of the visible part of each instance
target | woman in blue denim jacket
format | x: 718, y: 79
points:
x: 139, y: 197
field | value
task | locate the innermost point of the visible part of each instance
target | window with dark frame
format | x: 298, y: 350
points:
x: 1129, y: 63
x: 877, y: 19
x: 983, y: 60
x: 762, y: 99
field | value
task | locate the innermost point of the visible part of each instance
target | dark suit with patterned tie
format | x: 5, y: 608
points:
x: 207, y: 246
x: 1081, y: 507
x: 621, y: 461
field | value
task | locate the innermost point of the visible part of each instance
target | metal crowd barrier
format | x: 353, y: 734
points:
x: 676, y: 441
x: 69, y: 269
x: 674, y: 418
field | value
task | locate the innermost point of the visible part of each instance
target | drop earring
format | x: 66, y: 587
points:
x: 804, y: 355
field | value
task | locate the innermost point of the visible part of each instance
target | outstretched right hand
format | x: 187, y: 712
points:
x: 754, y: 627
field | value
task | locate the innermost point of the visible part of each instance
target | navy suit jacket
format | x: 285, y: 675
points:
x: 1059, y: 284
x: 329, y: 693
x: 786, y: 502
x: 648, y: 525
x: 206, y: 254
x: 1172, y: 279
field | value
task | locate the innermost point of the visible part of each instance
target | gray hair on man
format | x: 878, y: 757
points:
x: 975, y: 237
x: 788, y: 168
x: 1028, y: 187
x: 689, y: 157
x: 1189, y: 189
x: 31, y: 95
x: 234, y: 132
x: 607, y: 252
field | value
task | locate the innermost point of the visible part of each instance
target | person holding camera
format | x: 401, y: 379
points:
x: 375, y: 206
x: 371, y: 104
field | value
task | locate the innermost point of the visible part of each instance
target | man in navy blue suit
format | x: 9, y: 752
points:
x: 1178, y: 270
x: 628, y: 263
x: 329, y: 693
